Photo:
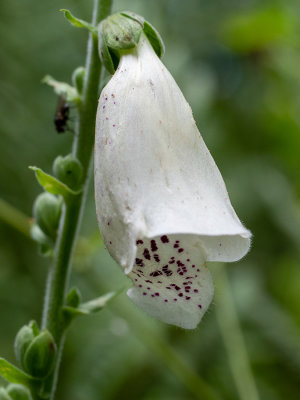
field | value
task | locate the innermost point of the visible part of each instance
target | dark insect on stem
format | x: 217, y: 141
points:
x: 62, y: 115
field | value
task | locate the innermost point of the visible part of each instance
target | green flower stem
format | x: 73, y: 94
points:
x: 233, y: 337
x: 58, y: 278
x: 15, y: 218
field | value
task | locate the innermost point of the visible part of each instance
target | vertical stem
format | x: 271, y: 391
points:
x: 58, y: 278
x: 233, y: 337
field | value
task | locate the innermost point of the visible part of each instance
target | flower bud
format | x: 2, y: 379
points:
x: 68, y: 170
x: 18, y: 392
x: 23, y: 339
x: 47, y: 211
x: 78, y: 78
x: 40, y: 355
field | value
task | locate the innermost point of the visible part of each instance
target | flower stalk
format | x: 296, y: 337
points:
x: 58, y: 278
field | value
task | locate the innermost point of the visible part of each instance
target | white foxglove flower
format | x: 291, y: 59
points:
x: 162, y: 205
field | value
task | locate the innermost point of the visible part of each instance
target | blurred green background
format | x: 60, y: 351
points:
x: 237, y: 63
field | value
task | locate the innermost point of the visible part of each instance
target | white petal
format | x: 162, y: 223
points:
x: 154, y: 176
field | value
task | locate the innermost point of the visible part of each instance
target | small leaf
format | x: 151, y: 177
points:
x: 79, y: 23
x: 62, y: 88
x: 53, y: 185
x: 73, y: 298
x: 89, y: 307
x: 13, y: 374
x: 97, y: 304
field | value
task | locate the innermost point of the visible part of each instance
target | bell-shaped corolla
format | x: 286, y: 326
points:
x: 162, y: 205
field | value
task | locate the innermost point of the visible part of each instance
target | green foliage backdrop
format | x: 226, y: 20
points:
x: 237, y: 63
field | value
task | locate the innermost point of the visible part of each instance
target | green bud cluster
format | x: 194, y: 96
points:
x: 35, y: 350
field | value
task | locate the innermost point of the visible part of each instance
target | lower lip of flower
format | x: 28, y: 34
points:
x: 171, y: 279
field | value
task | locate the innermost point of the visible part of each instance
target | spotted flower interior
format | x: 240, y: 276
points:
x: 171, y: 280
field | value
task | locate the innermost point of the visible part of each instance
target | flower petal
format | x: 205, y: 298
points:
x: 154, y: 178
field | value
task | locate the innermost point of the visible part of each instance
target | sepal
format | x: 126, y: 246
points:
x: 62, y: 89
x: 122, y: 31
x: 152, y: 34
x: 53, y: 185
x: 79, y: 23
x: 117, y: 33
x: 68, y: 170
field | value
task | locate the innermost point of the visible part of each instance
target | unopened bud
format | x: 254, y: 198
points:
x: 18, y: 392
x: 47, y: 210
x: 68, y: 170
x: 40, y: 355
x: 23, y: 339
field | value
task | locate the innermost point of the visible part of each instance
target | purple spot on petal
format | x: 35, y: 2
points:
x: 153, y: 245
x: 156, y: 273
x: 156, y: 258
x: 139, y: 241
x: 180, y: 250
x: 139, y: 262
x: 146, y: 254
x: 199, y: 305
x: 164, y: 239
x: 165, y: 300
